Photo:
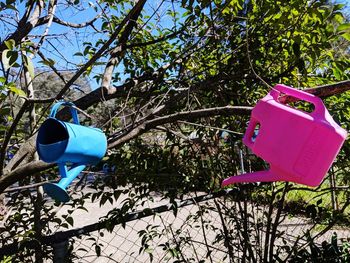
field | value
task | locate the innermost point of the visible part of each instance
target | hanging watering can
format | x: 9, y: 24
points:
x: 299, y: 146
x: 68, y: 144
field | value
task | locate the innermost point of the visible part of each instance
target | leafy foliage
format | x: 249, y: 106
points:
x: 149, y: 63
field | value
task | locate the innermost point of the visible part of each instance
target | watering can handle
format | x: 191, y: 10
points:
x: 247, y: 139
x: 302, y: 95
x: 67, y: 104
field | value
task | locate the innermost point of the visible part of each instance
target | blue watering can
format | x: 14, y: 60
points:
x: 70, y: 144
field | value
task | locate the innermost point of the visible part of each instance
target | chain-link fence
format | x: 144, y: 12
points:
x: 226, y: 226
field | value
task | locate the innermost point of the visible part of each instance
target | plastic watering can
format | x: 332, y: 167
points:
x: 299, y: 146
x: 70, y: 144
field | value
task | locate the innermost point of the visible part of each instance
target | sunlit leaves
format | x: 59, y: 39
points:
x: 344, y: 27
x: 9, y: 58
x: 16, y: 90
x: 344, y: 30
x: 10, y: 44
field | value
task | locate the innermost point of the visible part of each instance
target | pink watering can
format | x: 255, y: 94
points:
x: 299, y: 146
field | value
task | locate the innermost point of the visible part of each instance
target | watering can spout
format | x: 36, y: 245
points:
x: 58, y: 191
x: 261, y: 176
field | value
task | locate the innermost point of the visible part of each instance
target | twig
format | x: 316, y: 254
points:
x: 277, y: 223
x: 177, y: 244
x: 82, y: 111
x: 20, y: 188
x: 250, y: 61
x: 244, y: 230
x: 226, y: 233
x: 203, y: 231
x: 9, y: 134
x: 150, y: 124
x: 201, y: 243
x: 268, y: 225
x: 192, y: 241
x: 211, y: 127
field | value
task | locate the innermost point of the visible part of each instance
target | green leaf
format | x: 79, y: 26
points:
x: 116, y: 194
x: 79, y: 54
x: 17, y: 91
x: 149, y: 250
x: 70, y: 220
x: 98, y: 250
x: 5, y: 111
x: 336, y: 73
x: 7, y: 259
x: 47, y: 62
x: 6, y: 58
x: 11, y: 7
x: 346, y: 36
x: 343, y: 27
x: 10, y: 44
x: 9, y: 58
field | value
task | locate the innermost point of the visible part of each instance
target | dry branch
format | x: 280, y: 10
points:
x: 323, y: 91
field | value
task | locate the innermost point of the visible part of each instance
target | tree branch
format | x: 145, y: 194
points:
x: 25, y: 25
x: 45, y: 19
x: 118, y: 52
x: 24, y: 170
x: 187, y: 115
x: 322, y: 91
x: 9, y: 134
x: 100, y: 52
x: 51, y: 11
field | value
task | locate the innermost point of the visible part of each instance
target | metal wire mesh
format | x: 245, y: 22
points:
x: 124, y: 244
x: 212, y: 228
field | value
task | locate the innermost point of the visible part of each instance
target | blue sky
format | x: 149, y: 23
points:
x: 75, y: 40
x: 63, y: 42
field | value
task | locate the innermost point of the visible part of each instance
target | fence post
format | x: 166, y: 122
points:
x: 60, y: 251
x: 333, y: 184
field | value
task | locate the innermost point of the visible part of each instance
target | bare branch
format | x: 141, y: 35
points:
x: 51, y: 12
x: 100, y: 52
x: 44, y: 20
x: 187, y: 115
x: 25, y: 25
x: 118, y: 52
x: 22, y: 171
x: 322, y: 91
